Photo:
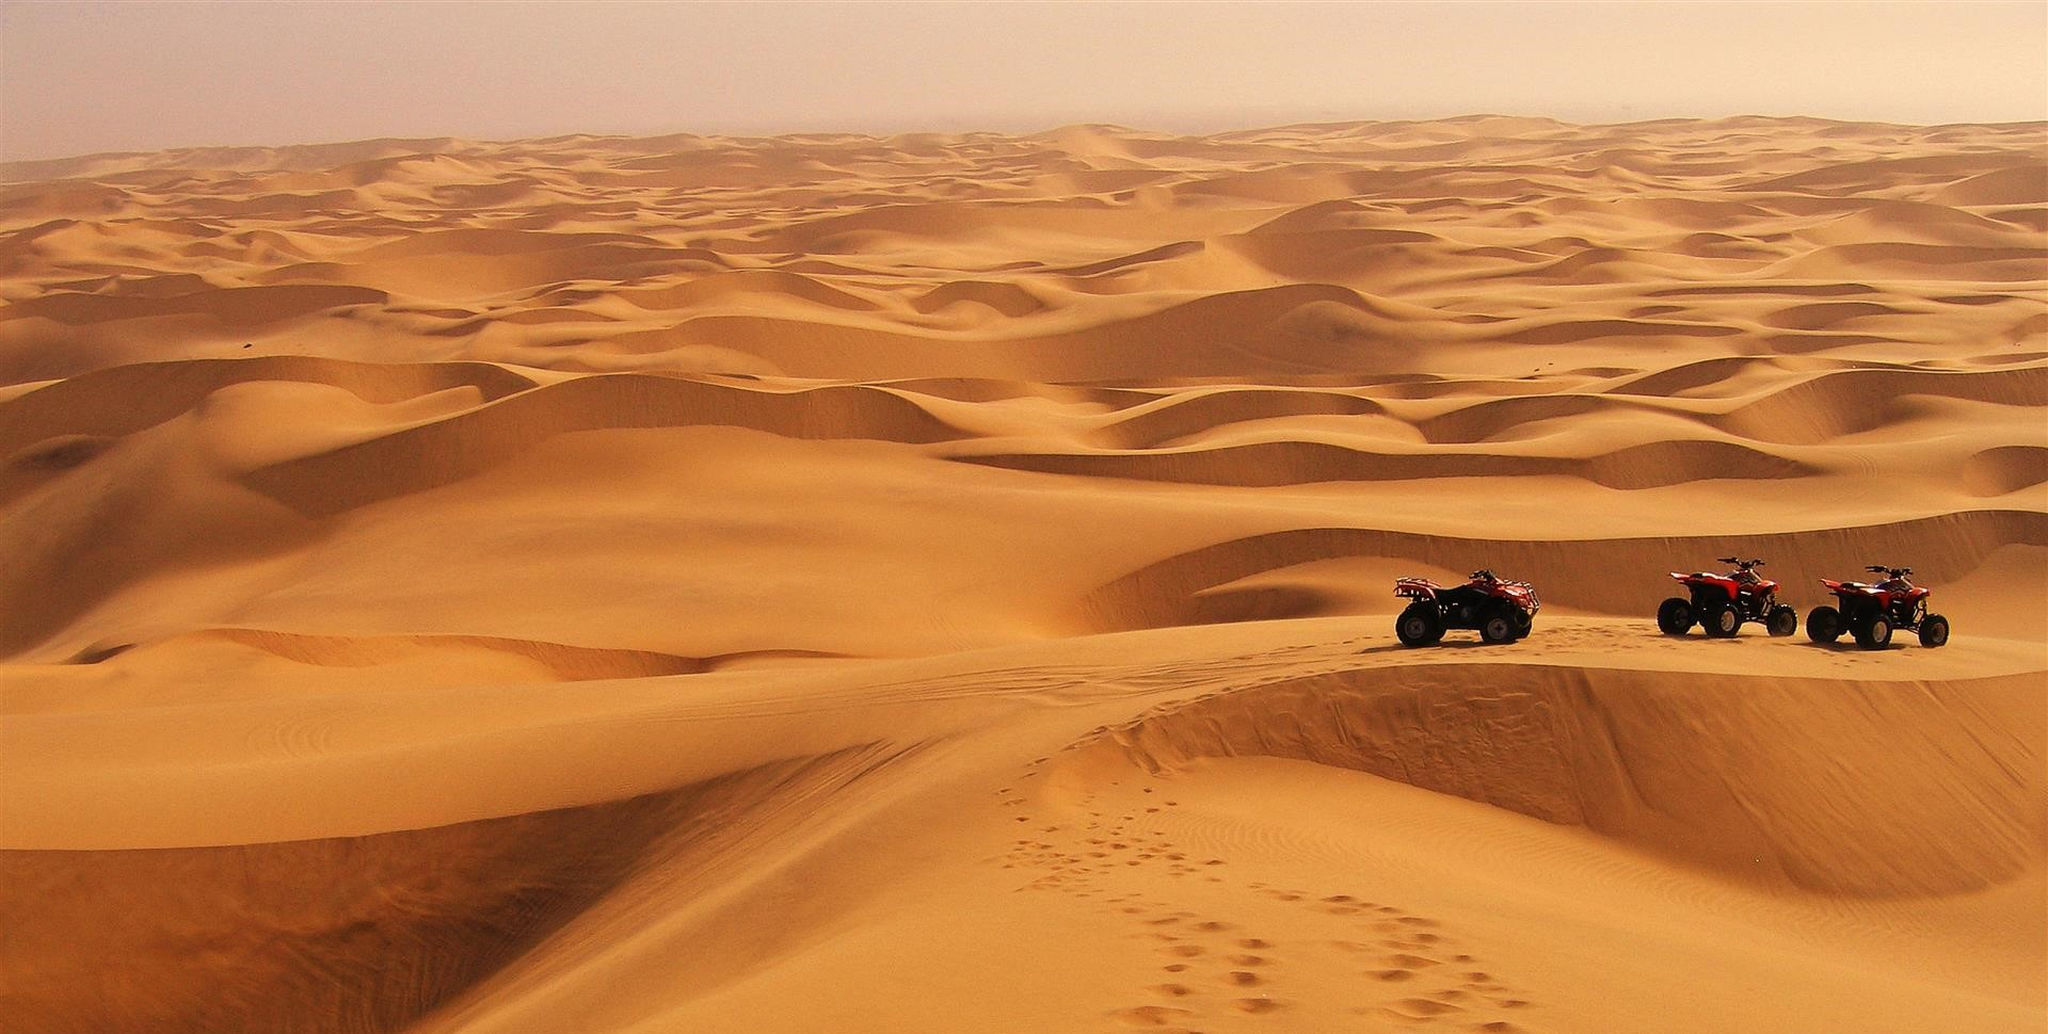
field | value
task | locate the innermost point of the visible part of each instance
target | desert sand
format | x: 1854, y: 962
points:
x: 943, y: 583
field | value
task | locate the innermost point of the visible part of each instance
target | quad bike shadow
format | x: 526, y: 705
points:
x: 1447, y: 644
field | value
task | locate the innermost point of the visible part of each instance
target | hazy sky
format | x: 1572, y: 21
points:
x: 79, y: 77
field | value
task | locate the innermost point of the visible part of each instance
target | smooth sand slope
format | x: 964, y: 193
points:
x: 941, y: 583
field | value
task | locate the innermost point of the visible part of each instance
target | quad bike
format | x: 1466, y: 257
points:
x: 1502, y: 611
x: 1720, y: 603
x: 1871, y: 612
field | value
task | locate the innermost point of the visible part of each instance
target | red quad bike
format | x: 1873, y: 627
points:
x: 1720, y: 603
x: 1871, y: 612
x: 1501, y: 610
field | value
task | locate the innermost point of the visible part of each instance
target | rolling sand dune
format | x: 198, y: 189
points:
x: 938, y: 582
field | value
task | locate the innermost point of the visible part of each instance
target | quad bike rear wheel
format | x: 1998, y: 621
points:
x: 1499, y: 627
x: 1674, y: 616
x: 1419, y: 625
x: 1933, y: 630
x: 1720, y: 620
x: 1824, y: 624
x: 1875, y: 633
x: 1782, y: 621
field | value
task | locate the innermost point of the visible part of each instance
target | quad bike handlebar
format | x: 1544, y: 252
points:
x: 1743, y: 564
x: 1894, y: 572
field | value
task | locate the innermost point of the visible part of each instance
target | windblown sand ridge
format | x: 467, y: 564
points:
x: 914, y: 583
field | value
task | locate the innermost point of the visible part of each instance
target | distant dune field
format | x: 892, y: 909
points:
x: 942, y: 583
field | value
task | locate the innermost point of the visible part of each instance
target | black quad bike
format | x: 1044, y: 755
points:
x: 1720, y: 603
x: 1503, y: 611
x: 1871, y: 612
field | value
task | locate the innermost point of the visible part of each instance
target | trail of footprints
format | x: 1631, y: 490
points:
x: 1409, y: 972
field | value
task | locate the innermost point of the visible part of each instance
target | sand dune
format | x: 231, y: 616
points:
x: 1578, y: 748
x: 943, y: 582
x: 463, y: 444
x: 1293, y: 463
x: 2006, y: 469
x: 1853, y: 401
x: 125, y: 399
x: 464, y: 899
x: 1181, y: 415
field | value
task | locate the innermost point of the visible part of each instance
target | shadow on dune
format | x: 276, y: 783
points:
x: 361, y: 934
x: 1887, y: 789
x: 121, y: 400
x: 1263, y: 464
x: 1446, y: 644
x: 423, y: 457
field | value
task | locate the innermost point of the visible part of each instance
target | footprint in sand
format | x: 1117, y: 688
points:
x: 1414, y: 1010
x: 1407, y: 961
x: 1410, y: 952
x: 1150, y: 1015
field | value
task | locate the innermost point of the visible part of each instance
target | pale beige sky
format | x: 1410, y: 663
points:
x: 79, y: 77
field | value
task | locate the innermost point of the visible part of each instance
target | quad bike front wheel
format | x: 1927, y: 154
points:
x: 1523, y: 622
x: 1499, y: 627
x: 1824, y: 624
x: 1720, y: 620
x: 1933, y: 630
x: 1874, y: 634
x: 1419, y: 625
x: 1674, y: 616
x: 1782, y: 621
